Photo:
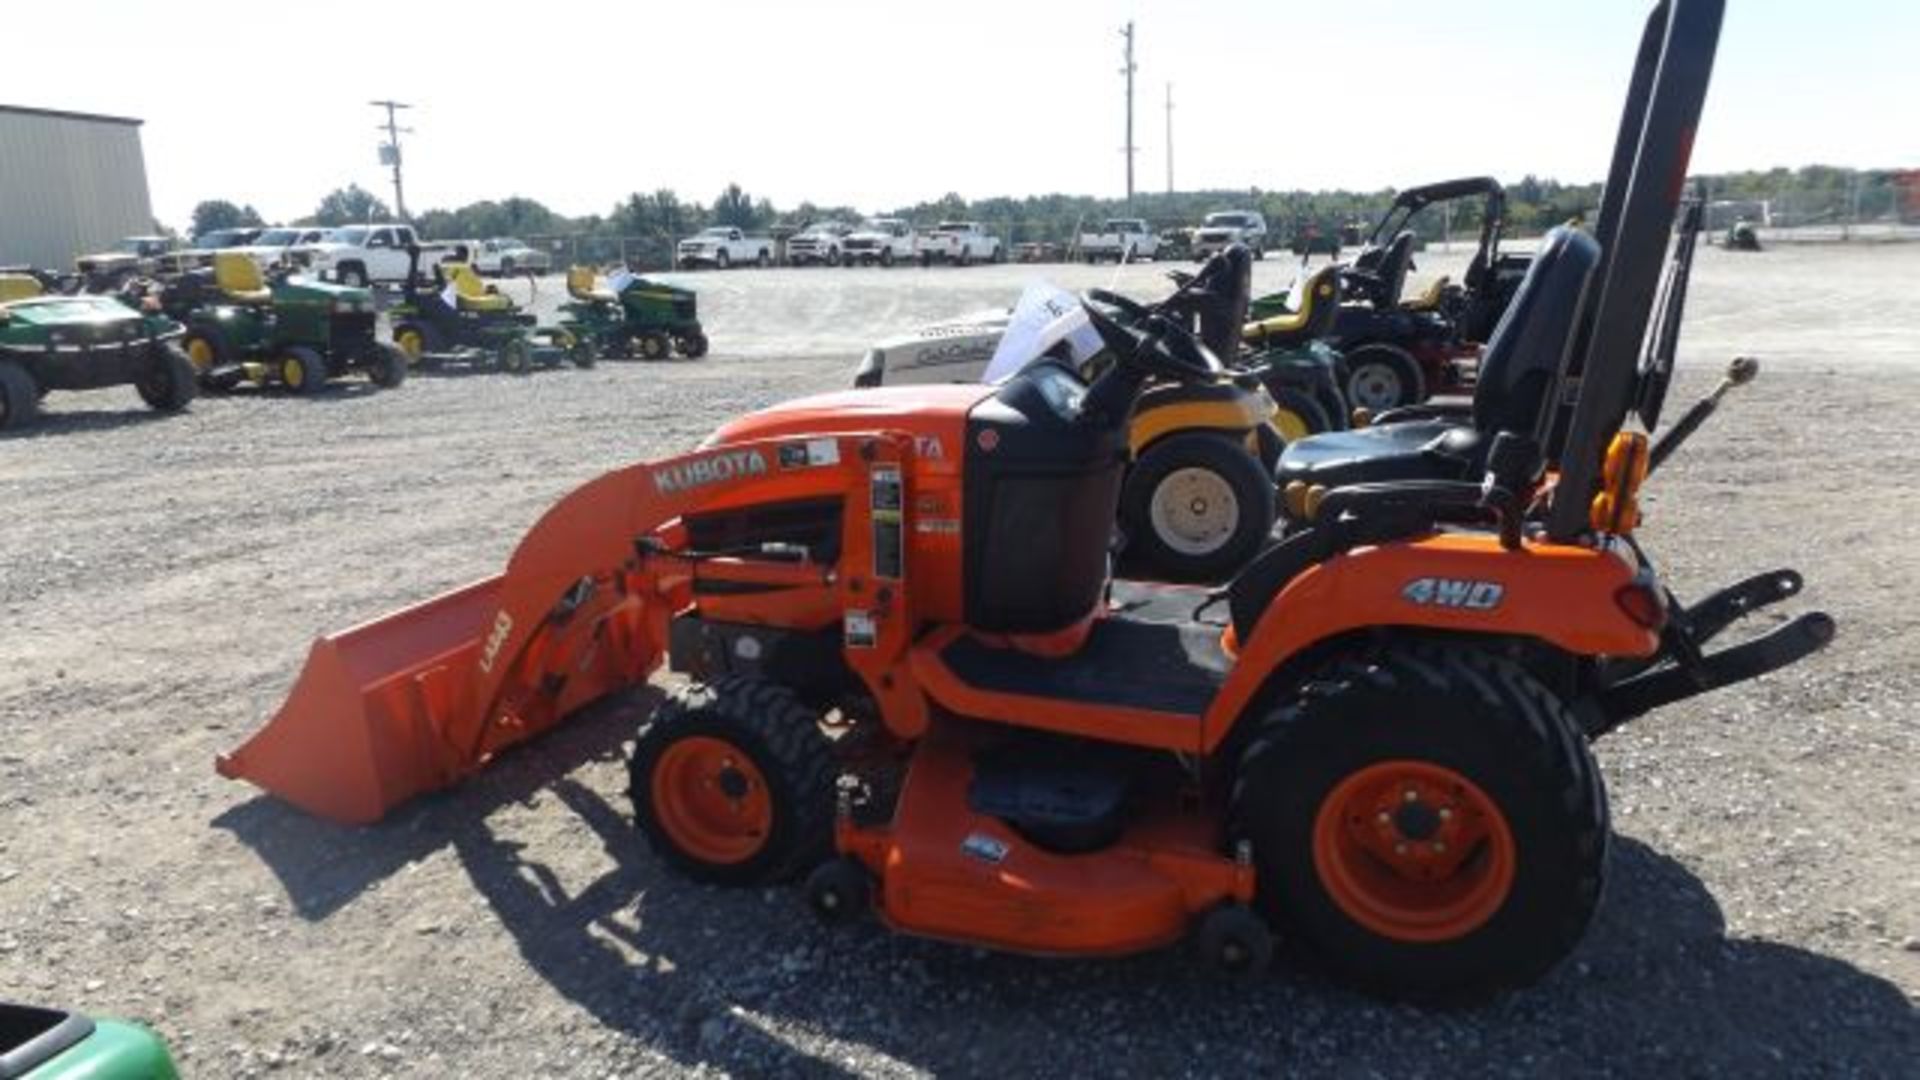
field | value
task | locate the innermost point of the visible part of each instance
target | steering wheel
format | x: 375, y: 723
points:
x: 1148, y: 341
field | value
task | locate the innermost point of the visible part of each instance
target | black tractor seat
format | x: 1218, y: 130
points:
x: 1412, y: 450
x: 1521, y: 363
x: 1148, y: 653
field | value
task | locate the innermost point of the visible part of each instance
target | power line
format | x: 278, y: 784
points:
x: 1128, y: 71
x: 390, y: 153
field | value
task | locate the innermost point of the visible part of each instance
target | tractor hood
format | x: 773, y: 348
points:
x: 303, y: 289
x: 75, y: 311
x: 899, y: 408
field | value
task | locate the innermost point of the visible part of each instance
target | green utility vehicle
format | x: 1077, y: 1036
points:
x: 52, y: 1044
x: 291, y: 330
x: 632, y: 316
x: 84, y: 343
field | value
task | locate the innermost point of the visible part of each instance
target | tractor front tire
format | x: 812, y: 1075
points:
x: 19, y: 396
x: 655, y: 346
x: 733, y: 783
x: 387, y: 366
x: 1300, y: 415
x: 691, y: 346
x: 1197, y: 505
x: 170, y: 383
x: 303, y: 370
x: 583, y: 352
x: 1426, y: 822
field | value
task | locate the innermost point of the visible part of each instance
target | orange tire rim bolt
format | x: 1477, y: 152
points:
x: 712, y: 800
x: 1414, y: 851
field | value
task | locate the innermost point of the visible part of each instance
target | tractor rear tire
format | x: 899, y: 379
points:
x: 1197, y: 506
x: 206, y: 351
x: 416, y: 341
x: 19, y: 396
x: 1426, y: 823
x: 733, y: 783
x: 303, y: 370
x: 515, y: 357
x: 171, y: 383
x: 387, y: 366
x: 1381, y: 376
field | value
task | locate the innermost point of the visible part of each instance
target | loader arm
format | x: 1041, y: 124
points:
x: 417, y: 699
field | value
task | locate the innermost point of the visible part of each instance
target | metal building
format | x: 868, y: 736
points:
x: 70, y: 183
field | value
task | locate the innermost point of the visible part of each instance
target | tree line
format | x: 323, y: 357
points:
x: 645, y: 224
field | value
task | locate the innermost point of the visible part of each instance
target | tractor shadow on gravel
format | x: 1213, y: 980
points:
x: 745, y: 979
x: 59, y: 421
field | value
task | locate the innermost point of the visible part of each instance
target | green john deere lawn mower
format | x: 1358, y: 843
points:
x: 632, y: 316
x: 84, y: 343
x: 293, y: 331
x: 460, y: 319
x: 52, y: 1044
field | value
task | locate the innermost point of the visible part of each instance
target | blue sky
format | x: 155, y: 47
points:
x: 879, y: 104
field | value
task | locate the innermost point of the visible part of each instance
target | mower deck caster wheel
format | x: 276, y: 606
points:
x: 839, y: 891
x: 1235, y: 942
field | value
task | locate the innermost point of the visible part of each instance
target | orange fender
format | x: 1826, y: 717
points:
x: 1451, y: 583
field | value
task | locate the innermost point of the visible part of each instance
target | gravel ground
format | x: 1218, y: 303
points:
x: 161, y: 579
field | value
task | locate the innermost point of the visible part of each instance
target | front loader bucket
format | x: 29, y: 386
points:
x: 365, y: 726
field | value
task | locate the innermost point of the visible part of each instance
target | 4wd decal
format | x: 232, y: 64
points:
x: 1454, y: 593
x: 717, y: 468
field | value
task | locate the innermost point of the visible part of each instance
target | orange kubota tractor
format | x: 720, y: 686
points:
x: 914, y: 683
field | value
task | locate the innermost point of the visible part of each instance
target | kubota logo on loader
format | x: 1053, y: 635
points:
x: 1454, y: 593
x: 723, y: 466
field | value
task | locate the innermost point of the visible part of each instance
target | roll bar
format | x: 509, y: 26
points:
x: 1637, y: 209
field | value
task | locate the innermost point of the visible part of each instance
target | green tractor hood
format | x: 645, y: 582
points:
x: 85, y: 318
x: 308, y: 291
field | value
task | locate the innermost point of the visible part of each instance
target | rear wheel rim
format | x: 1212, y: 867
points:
x: 200, y: 354
x: 1375, y: 385
x: 411, y: 344
x: 1194, y: 510
x: 1414, y: 851
x: 712, y: 800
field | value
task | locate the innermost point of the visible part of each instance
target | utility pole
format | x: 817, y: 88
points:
x: 390, y: 152
x: 1128, y: 72
x: 1169, y: 138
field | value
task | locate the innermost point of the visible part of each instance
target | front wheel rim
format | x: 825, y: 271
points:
x: 1194, y: 511
x: 1414, y: 851
x: 711, y: 800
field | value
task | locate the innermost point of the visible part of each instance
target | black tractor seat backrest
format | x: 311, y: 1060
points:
x: 1214, y: 301
x: 1526, y: 349
x: 1393, y: 269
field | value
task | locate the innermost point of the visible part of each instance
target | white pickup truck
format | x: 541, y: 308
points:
x: 957, y: 242
x: 820, y: 242
x: 1227, y: 228
x: 504, y: 256
x: 372, y: 255
x: 275, y: 244
x: 722, y: 246
x: 1122, y: 240
x: 881, y: 240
